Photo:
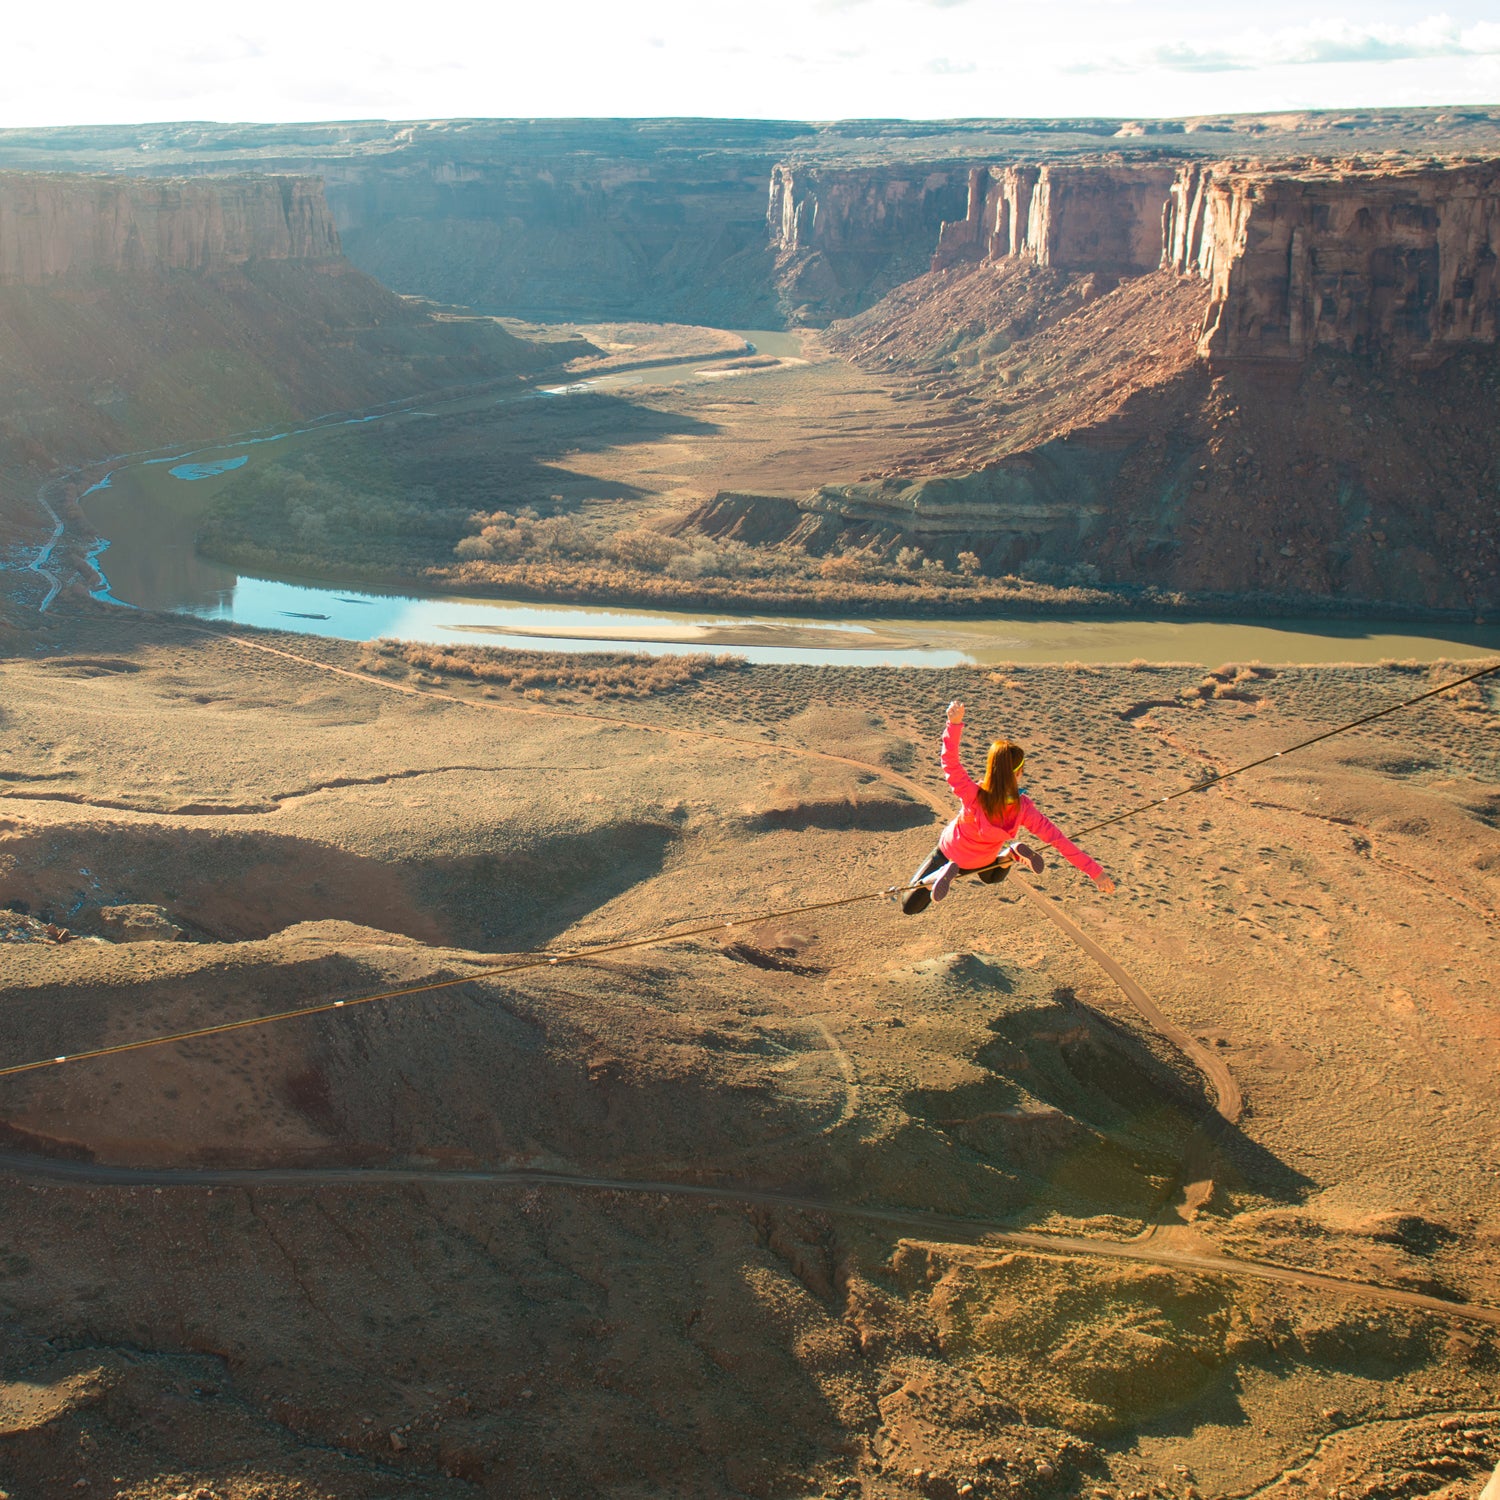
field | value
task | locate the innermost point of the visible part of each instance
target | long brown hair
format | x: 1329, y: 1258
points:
x: 1000, y: 791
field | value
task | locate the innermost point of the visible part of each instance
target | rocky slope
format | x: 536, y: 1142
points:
x: 135, y: 313
x: 1209, y: 378
x: 1109, y: 451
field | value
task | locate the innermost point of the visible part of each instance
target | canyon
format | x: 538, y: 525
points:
x: 667, y: 219
x: 552, y: 1102
x: 139, y: 312
x: 1204, y: 358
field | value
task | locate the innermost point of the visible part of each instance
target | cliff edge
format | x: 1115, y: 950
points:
x: 54, y: 226
x: 135, y: 313
x: 1221, y: 379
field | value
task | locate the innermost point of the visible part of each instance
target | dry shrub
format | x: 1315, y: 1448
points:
x: 597, y: 674
x: 1471, y: 698
x: 846, y: 566
x: 1232, y: 682
x: 1237, y: 672
x: 372, y: 661
x: 738, y: 576
x: 648, y: 550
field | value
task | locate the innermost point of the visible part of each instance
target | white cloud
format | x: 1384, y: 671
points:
x: 1312, y: 44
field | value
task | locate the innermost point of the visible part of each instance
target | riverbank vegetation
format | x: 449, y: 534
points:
x: 590, y: 674
x: 447, y: 505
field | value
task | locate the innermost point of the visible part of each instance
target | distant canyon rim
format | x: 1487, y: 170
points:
x: 1178, y: 364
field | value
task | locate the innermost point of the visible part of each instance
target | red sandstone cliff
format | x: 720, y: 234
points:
x: 1400, y: 264
x: 1396, y: 263
x: 58, y: 226
x: 1104, y: 218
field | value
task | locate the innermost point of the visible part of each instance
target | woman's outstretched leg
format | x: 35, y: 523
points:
x: 921, y: 898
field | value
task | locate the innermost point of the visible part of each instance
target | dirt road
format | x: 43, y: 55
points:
x: 950, y: 1228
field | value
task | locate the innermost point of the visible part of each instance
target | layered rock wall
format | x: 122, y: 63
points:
x: 1073, y: 218
x: 1392, y: 264
x: 1397, y: 264
x: 52, y: 227
x: 571, y: 235
x: 869, y: 209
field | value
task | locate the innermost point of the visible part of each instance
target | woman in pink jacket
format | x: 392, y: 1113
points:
x: 982, y: 839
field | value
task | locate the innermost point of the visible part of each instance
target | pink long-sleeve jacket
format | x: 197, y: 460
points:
x: 971, y: 840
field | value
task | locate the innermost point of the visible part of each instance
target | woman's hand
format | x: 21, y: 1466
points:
x: 955, y: 712
x: 1106, y: 885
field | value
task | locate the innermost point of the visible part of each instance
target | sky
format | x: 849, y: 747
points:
x: 92, y: 63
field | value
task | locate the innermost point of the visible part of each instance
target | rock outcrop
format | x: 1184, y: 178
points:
x: 54, y: 226
x: 1105, y: 218
x: 1396, y: 264
x: 883, y: 210
x: 844, y: 236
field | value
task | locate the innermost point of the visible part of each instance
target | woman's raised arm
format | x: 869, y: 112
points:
x: 960, y: 783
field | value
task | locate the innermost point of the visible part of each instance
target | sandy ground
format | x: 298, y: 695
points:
x: 229, y: 832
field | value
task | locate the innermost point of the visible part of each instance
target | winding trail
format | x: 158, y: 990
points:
x: 273, y: 801
x: 950, y: 1228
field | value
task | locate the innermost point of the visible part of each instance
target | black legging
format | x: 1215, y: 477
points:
x: 921, y: 898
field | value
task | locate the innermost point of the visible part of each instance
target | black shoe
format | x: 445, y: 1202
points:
x: 916, y: 901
